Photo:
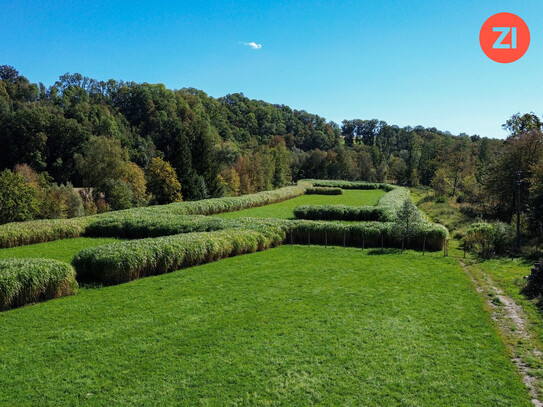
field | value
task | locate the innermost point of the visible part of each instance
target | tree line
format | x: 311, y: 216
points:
x: 130, y: 144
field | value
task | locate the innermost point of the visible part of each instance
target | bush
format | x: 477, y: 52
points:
x: 74, y: 202
x: 487, y: 239
x: 339, y: 212
x: 23, y: 281
x: 534, y: 283
x: 121, y: 262
x: 324, y: 191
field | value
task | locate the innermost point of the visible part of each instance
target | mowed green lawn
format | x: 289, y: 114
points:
x: 289, y: 326
x: 284, y: 210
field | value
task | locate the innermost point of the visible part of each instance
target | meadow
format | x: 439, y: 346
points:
x: 282, y: 327
x: 287, y: 325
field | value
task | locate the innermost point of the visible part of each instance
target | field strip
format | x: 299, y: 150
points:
x: 512, y: 324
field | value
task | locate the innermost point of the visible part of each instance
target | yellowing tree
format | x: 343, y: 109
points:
x: 230, y: 179
x: 136, y: 178
x: 162, y: 182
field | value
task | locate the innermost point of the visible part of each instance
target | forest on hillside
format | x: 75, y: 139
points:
x: 125, y: 144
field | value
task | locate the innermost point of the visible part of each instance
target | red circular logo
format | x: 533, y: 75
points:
x: 504, y: 37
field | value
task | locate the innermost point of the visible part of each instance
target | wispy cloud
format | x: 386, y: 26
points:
x: 253, y: 45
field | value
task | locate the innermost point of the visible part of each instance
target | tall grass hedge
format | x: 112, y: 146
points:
x: 125, y: 261
x: 365, y: 234
x: 324, y: 191
x: 386, y: 209
x: 488, y: 239
x: 340, y: 212
x: 393, y: 201
x: 39, y: 231
x: 226, y: 204
x: 138, y: 226
x: 23, y: 281
x: 349, y: 184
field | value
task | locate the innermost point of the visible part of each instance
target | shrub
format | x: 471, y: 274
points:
x: 52, y: 203
x: 121, y: 262
x: 74, y: 201
x: 23, y: 281
x: 488, y: 239
x: 534, y: 283
x: 324, y: 191
x: 102, y: 206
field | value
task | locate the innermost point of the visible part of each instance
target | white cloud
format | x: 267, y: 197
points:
x: 253, y: 45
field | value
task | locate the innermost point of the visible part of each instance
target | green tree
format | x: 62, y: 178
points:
x: 406, y: 219
x: 102, y: 159
x: 135, y: 177
x: 441, y: 182
x: 231, y: 181
x: 118, y: 194
x: 17, y: 199
x: 162, y: 182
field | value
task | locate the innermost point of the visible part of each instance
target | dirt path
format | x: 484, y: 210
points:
x: 511, y: 321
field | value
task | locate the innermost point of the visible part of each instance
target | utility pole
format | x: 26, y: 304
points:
x: 518, y: 207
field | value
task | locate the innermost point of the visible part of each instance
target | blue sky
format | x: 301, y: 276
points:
x: 405, y: 62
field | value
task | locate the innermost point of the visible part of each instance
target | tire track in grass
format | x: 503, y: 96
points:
x: 511, y: 321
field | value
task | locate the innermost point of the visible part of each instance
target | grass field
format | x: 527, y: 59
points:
x: 284, y: 210
x: 288, y: 326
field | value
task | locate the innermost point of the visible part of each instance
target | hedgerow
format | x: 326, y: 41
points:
x: 340, y: 212
x: 392, y: 202
x: 23, y: 281
x: 39, y: 231
x: 487, y: 239
x: 349, y: 184
x: 226, y: 204
x: 386, y: 209
x: 369, y: 234
x: 137, y: 226
x: 154, y: 225
x: 324, y: 191
x: 121, y: 262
